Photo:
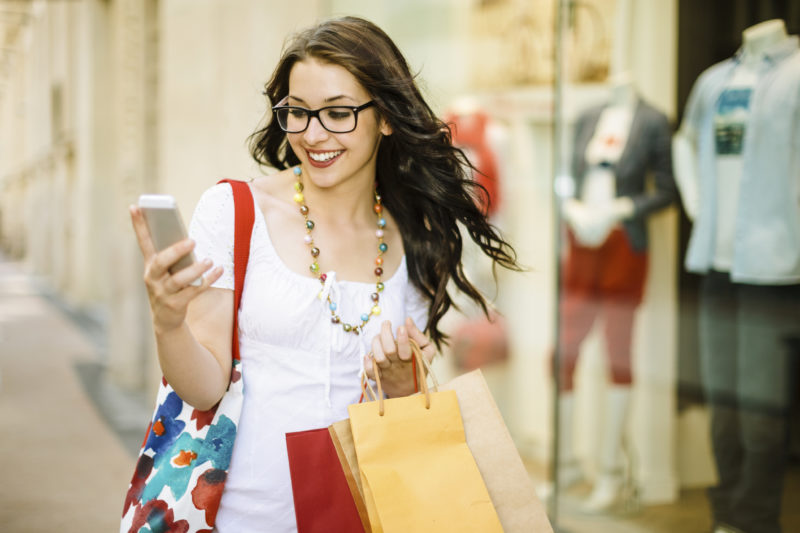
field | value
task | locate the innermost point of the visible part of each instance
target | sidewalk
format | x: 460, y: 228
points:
x: 64, y: 469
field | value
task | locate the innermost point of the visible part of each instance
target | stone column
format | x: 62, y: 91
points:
x: 133, y: 67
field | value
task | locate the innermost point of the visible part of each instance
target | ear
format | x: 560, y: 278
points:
x: 386, y: 129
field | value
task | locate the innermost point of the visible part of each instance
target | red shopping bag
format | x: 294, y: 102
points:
x: 323, y: 502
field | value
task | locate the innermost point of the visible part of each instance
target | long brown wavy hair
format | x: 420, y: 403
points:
x: 424, y: 181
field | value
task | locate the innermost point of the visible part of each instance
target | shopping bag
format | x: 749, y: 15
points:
x: 416, y: 470
x: 506, y: 478
x: 507, y: 481
x: 322, y: 499
x: 342, y: 440
x: 183, y: 462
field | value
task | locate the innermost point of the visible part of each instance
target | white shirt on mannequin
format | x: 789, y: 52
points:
x: 755, y: 40
x: 766, y: 208
x: 732, y: 115
x: 730, y: 122
x: 605, y: 149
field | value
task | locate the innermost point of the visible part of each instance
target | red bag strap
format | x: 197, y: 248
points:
x: 245, y: 217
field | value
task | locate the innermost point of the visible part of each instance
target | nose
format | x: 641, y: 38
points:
x: 315, y: 132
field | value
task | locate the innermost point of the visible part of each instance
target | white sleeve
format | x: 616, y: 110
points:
x: 416, y: 306
x: 212, y: 229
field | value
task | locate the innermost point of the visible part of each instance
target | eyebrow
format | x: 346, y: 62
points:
x: 327, y: 100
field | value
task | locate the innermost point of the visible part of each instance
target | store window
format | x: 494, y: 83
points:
x: 670, y: 371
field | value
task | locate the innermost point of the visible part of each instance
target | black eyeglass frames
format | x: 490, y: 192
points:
x: 334, y: 118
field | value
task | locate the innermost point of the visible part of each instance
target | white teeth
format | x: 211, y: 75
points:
x: 324, y: 156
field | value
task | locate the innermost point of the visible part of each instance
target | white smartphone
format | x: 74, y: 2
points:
x: 166, y: 226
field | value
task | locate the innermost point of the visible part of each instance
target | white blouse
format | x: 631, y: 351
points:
x: 300, y: 371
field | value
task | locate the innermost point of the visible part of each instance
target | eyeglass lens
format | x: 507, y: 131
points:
x: 333, y: 119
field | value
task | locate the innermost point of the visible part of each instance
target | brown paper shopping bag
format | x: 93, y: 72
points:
x: 342, y: 439
x: 509, y: 485
x: 503, y: 471
x: 417, y: 473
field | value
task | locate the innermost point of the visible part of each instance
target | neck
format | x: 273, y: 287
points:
x: 756, y: 40
x: 623, y: 91
x: 349, y: 202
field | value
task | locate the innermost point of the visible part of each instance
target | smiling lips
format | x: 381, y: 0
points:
x: 323, y: 159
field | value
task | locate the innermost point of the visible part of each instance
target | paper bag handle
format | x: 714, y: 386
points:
x: 421, y: 366
x: 366, y: 389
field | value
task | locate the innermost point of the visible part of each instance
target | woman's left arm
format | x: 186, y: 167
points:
x: 393, y: 355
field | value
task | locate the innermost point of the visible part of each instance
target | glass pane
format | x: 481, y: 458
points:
x: 677, y: 364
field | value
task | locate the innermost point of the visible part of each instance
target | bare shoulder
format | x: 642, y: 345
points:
x: 270, y: 191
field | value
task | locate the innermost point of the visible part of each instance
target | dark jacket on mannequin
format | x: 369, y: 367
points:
x: 648, y: 148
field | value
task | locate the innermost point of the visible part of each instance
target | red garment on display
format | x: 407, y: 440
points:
x: 607, y: 281
x: 470, y: 134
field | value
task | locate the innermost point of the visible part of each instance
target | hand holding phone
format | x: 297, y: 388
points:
x: 166, y: 227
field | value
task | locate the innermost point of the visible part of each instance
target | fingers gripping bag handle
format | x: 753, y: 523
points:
x: 420, y: 367
x: 186, y: 453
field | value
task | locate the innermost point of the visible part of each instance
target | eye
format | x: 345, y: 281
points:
x: 297, y: 112
x: 338, y: 113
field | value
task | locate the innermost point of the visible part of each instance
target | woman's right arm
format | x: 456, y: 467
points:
x: 193, y: 324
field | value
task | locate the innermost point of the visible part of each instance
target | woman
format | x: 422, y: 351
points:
x: 353, y: 247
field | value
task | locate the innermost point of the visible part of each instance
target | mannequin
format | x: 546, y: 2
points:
x: 755, y: 40
x: 616, y: 145
x: 593, y: 217
x: 739, y: 179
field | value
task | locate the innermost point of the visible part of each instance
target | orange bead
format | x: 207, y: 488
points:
x: 379, y: 261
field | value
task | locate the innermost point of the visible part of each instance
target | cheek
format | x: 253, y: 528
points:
x: 294, y: 143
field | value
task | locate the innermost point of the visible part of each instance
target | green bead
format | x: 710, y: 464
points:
x: 347, y: 327
x: 314, y: 267
x: 310, y: 224
x: 379, y: 286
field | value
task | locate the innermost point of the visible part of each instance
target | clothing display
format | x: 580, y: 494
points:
x: 745, y: 332
x: 766, y: 247
x: 618, y: 145
x: 300, y: 370
x: 647, y: 150
x: 607, y: 281
x: 611, y: 277
x: 737, y: 152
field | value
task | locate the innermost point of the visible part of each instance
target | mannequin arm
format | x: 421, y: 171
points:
x: 622, y: 208
x: 659, y: 161
x: 684, y: 158
x: 592, y: 224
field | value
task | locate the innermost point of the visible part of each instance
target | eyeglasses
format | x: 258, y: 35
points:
x: 334, y: 118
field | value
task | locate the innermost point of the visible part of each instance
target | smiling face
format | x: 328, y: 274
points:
x: 329, y: 159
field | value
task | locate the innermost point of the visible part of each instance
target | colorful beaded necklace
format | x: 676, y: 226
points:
x: 299, y: 199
